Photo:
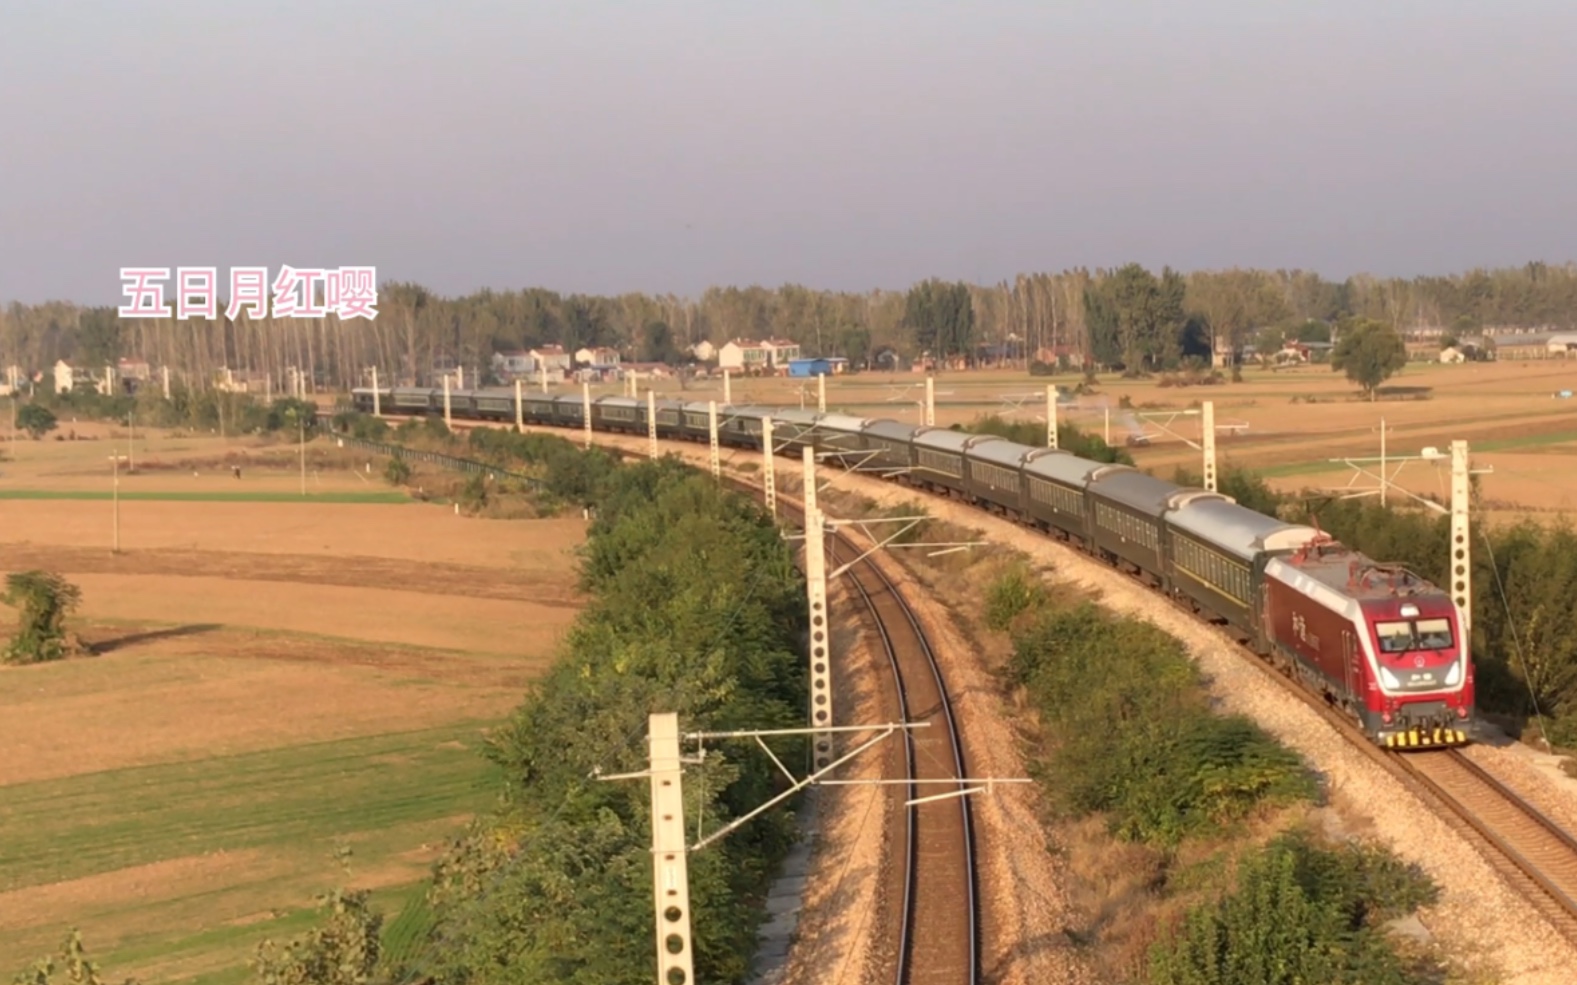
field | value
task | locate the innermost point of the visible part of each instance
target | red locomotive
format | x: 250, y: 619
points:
x: 1378, y: 640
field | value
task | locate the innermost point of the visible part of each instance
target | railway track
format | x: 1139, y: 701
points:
x: 1536, y: 855
x: 937, y: 940
x: 1533, y: 853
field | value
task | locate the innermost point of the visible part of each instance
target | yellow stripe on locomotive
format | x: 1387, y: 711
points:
x: 1415, y: 738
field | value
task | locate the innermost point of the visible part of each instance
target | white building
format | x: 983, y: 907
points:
x: 704, y: 351
x: 516, y: 364
x: 1562, y: 345
x: 600, y: 356
x: 550, y: 357
x: 749, y: 355
x: 69, y: 378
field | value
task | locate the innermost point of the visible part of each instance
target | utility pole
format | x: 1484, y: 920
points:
x: 711, y: 426
x: 651, y: 422
x: 769, y: 482
x: 542, y: 374
x: 1461, y: 545
x: 115, y: 498
x: 930, y: 401
x: 1460, y: 511
x: 1382, y: 460
x: 268, y: 388
x: 459, y: 377
x: 377, y: 406
x: 166, y: 372
x: 447, y: 419
x: 670, y: 862
x: 816, y: 595
x: 1207, y: 437
x: 728, y: 389
x: 585, y: 409
x: 670, y: 853
x: 520, y: 409
x: 1051, y: 415
x: 131, y: 442
x: 301, y: 424
x: 821, y: 392
x: 1107, y: 433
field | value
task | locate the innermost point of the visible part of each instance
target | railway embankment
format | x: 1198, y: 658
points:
x: 1477, y: 917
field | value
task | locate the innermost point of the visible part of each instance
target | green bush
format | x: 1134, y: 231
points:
x: 1015, y: 592
x: 697, y: 609
x: 43, y: 600
x: 397, y: 471
x: 1298, y: 914
x: 1131, y: 733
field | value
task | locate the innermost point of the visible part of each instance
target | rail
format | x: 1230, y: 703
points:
x: 940, y: 885
x: 936, y: 879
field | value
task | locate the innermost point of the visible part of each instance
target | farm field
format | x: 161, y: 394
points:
x: 276, y: 678
x: 1286, y: 424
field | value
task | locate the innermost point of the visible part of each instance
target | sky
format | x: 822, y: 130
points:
x: 666, y: 146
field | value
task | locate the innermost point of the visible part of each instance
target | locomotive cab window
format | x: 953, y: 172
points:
x: 1404, y: 637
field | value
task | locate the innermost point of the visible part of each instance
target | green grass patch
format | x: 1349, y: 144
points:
x: 56, y: 830
x: 1527, y: 441
x: 1131, y: 734
x: 1291, y: 469
x: 209, y: 497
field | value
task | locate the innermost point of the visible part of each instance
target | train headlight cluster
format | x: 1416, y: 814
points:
x: 1454, y: 675
x: 1389, y: 680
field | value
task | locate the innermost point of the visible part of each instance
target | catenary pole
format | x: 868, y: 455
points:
x: 1207, y: 439
x: 651, y: 422
x: 711, y: 426
x: 769, y: 483
x: 820, y: 638
x: 1051, y: 415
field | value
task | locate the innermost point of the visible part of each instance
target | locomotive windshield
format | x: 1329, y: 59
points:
x: 1419, y: 634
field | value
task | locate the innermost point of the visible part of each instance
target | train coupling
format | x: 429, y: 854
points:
x: 1425, y: 738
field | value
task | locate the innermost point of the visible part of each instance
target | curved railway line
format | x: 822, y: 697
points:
x: 1532, y: 852
x: 937, y: 885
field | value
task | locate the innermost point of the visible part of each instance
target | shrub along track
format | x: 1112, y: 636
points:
x: 1532, y: 853
x: 935, y: 934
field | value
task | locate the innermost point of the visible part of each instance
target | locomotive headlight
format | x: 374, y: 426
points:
x: 1454, y: 675
x: 1389, y: 679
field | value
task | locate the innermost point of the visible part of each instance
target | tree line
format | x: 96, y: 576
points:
x: 1126, y: 315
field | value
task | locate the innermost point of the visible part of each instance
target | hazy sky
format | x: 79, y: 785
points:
x: 587, y: 145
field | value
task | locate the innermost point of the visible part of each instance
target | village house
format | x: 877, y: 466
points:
x: 704, y: 351
x: 1533, y: 345
x: 551, y: 358
x: 513, y: 365
x: 70, y: 379
x: 599, y: 356
x: 749, y: 355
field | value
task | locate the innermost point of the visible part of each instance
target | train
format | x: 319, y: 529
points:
x: 1377, y: 641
